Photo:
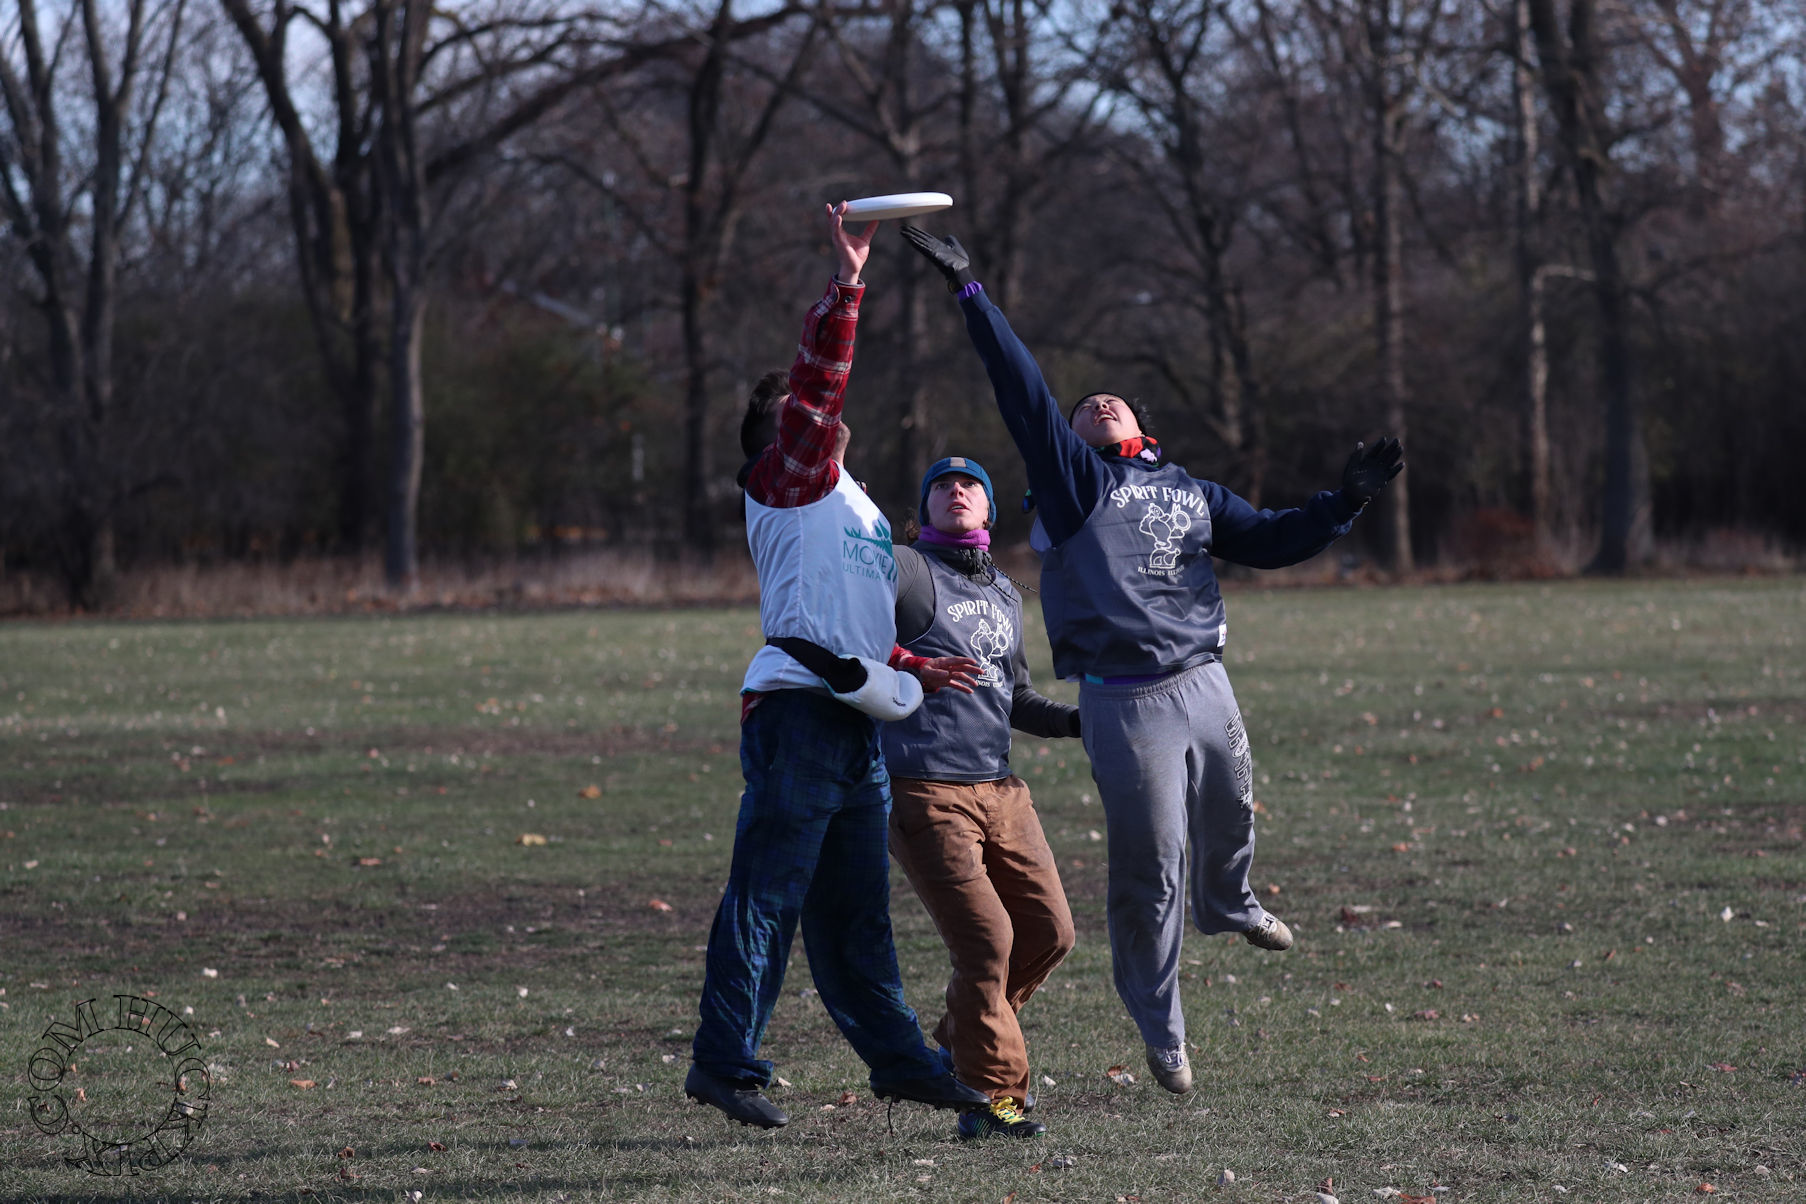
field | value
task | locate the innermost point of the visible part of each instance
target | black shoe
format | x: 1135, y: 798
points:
x: 742, y: 1102
x: 946, y: 1056
x: 1000, y: 1119
x: 937, y: 1091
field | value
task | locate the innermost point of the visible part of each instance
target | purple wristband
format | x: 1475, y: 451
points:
x: 970, y: 290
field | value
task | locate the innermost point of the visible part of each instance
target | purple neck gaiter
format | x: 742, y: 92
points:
x: 980, y: 538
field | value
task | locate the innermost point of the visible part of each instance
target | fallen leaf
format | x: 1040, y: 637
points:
x: 426, y: 1080
x: 1725, y: 1067
x: 658, y: 905
x: 847, y: 1097
x: 436, y: 1147
x: 529, y: 838
x: 348, y: 1152
x: 1704, y: 1189
x: 590, y: 791
x: 304, y: 1084
x: 368, y: 861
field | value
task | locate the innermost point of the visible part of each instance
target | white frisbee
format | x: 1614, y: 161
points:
x: 897, y: 204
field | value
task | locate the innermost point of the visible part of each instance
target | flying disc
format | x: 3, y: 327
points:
x: 896, y: 204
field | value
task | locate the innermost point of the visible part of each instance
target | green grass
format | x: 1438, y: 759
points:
x: 1507, y: 823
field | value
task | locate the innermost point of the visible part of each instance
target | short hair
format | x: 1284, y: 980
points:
x: 759, y: 427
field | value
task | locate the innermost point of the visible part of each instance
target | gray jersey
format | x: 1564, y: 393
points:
x: 1133, y: 592
x: 955, y: 737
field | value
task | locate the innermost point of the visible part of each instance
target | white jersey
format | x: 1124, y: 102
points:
x: 826, y: 574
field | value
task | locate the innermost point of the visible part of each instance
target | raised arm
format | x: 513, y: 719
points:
x: 1064, y: 473
x: 799, y: 467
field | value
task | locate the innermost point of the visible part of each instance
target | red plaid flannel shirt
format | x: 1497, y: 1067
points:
x: 799, y: 468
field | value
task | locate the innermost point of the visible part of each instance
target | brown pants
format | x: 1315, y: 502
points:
x: 977, y: 857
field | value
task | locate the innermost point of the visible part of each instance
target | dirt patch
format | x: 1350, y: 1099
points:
x: 69, y: 770
x: 514, y: 926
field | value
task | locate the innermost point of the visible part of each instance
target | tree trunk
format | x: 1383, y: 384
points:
x: 1573, y: 80
x: 914, y: 438
x: 395, y: 51
x: 407, y: 440
x: 1532, y: 329
x: 699, y: 521
x: 1388, y: 267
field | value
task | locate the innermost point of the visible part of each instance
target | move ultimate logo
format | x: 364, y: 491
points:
x: 129, y: 1086
x: 868, y: 554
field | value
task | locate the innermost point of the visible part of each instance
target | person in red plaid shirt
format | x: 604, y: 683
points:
x: 810, y: 842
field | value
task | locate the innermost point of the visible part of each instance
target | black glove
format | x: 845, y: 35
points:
x: 948, y: 257
x: 1371, y: 469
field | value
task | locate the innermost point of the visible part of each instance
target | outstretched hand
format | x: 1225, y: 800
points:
x: 851, y: 249
x: 947, y: 256
x: 959, y: 672
x: 1371, y: 469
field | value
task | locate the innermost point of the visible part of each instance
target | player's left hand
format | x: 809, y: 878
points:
x: 1371, y: 469
x: 959, y: 672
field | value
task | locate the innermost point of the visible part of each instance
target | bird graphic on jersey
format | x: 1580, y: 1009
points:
x: 990, y: 648
x: 1167, y: 528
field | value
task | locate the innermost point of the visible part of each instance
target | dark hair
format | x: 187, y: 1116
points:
x: 1136, y: 407
x: 760, y: 425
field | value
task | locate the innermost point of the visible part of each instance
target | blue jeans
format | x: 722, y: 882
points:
x: 810, y: 844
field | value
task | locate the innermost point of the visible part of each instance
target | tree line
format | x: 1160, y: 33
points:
x: 291, y: 277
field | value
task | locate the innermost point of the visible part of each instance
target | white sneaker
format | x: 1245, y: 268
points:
x: 1171, y: 1068
x: 1270, y: 933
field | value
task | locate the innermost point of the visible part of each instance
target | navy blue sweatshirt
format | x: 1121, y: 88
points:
x: 1069, y: 478
x: 1127, y: 586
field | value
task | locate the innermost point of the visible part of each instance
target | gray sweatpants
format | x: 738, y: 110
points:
x: 1171, y: 762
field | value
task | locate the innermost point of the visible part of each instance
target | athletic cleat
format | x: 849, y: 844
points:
x: 1172, y: 1069
x: 937, y: 1091
x: 1001, y: 1118
x: 741, y: 1101
x: 1270, y: 933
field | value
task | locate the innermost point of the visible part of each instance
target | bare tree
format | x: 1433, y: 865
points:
x: 1527, y: 203
x: 420, y: 95
x: 697, y: 156
x: 56, y: 189
x: 1382, y: 46
x: 1575, y: 80
x: 1168, y: 55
